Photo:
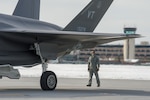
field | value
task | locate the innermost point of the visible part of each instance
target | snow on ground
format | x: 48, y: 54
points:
x: 80, y: 71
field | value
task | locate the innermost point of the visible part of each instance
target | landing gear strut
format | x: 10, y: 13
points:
x: 48, y: 79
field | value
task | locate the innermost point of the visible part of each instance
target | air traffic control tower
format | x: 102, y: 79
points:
x: 129, y: 44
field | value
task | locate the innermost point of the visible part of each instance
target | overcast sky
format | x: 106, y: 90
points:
x: 135, y: 13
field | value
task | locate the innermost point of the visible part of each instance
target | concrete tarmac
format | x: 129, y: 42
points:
x: 75, y: 89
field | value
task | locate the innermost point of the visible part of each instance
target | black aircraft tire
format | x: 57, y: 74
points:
x: 48, y: 80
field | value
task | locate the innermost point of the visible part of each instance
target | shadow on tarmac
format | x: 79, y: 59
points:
x: 65, y: 93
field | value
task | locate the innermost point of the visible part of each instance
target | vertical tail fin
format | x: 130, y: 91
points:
x: 28, y: 9
x: 89, y: 17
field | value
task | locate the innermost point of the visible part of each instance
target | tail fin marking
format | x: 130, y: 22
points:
x: 89, y: 17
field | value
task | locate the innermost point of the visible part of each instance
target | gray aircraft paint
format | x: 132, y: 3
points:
x: 28, y: 9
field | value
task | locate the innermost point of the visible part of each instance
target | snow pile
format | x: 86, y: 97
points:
x: 80, y: 71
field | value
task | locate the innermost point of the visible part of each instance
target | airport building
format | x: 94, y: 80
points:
x: 115, y: 53
x: 110, y: 54
x: 129, y: 44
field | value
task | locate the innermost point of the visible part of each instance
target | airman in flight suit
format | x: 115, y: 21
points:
x: 93, y: 68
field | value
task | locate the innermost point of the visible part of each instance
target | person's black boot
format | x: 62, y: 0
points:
x: 88, y: 85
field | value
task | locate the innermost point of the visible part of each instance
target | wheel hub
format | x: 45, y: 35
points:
x: 51, y: 81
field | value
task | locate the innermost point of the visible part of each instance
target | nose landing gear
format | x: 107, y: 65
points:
x: 48, y: 80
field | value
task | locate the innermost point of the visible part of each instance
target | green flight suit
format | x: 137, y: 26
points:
x: 93, y: 68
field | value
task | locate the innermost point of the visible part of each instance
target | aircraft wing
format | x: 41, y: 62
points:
x: 82, y: 37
